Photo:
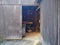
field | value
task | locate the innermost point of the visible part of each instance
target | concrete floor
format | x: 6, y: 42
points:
x: 30, y: 39
x: 18, y: 42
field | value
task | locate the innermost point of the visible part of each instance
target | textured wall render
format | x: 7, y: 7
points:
x: 59, y: 21
x: 49, y: 21
x: 10, y: 2
x: 11, y: 19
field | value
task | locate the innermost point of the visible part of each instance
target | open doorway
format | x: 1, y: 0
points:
x: 31, y: 22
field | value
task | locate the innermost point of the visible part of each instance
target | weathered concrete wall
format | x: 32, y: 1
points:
x: 59, y: 21
x: 28, y: 2
x: 49, y: 21
x: 10, y: 2
x: 11, y: 19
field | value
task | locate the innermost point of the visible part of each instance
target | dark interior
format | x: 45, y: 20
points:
x: 31, y: 17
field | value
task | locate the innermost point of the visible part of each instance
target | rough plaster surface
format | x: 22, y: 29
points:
x: 28, y: 2
x: 59, y: 21
x: 49, y: 21
x: 11, y: 21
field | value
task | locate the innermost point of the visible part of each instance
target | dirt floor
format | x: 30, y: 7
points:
x: 33, y: 36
